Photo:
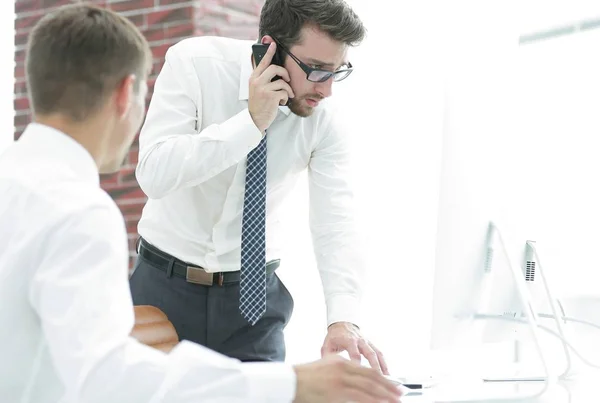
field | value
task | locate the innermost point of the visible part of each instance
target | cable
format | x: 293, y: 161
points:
x: 546, y: 329
x: 559, y: 326
x: 582, y: 322
x: 569, y: 319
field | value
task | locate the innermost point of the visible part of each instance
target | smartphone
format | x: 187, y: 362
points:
x: 258, y: 52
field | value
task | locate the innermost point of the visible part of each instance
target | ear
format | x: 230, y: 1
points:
x: 125, y: 95
x: 267, y: 39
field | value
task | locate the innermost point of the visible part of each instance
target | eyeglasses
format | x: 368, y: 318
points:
x: 318, y: 75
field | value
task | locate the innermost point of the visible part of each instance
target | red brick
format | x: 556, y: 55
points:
x: 138, y: 20
x: 131, y: 223
x: 107, y: 180
x: 133, y: 156
x: 152, y: 81
x: 26, y: 23
x: 22, y: 120
x: 132, y: 241
x: 181, y: 2
x: 54, y: 3
x: 21, y: 104
x: 20, y: 87
x: 159, y: 51
x: 133, y: 209
x: 169, y: 16
x: 20, y: 70
x: 21, y: 38
x: 129, y: 5
x: 27, y: 5
x: 119, y: 192
x: 20, y: 56
x: 131, y: 264
x: 127, y: 176
x: 180, y: 31
x: 154, y: 34
x: 156, y: 68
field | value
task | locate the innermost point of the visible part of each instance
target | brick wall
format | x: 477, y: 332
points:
x: 163, y: 22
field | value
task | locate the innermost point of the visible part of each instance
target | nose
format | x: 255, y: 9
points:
x: 325, y: 89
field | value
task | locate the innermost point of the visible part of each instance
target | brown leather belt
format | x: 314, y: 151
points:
x: 191, y: 273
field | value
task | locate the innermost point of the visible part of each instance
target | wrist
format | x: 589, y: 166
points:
x: 259, y: 126
x: 343, y: 325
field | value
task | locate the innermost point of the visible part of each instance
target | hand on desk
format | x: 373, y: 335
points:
x: 344, y: 336
x: 334, y: 379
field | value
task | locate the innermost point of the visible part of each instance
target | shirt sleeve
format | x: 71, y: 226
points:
x: 80, y: 292
x: 173, y: 154
x: 332, y: 225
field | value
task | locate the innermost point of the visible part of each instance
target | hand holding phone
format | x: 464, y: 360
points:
x: 268, y: 87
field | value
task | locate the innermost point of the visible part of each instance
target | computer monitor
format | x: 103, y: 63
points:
x: 495, y: 170
x: 484, y: 263
x: 468, y: 205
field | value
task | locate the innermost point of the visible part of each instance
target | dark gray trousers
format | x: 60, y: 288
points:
x: 209, y: 315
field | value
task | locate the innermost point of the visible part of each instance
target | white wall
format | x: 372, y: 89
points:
x: 7, y: 56
x: 393, y: 101
x: 555, y: 192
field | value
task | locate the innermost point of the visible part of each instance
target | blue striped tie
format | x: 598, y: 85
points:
x: 253, y: 292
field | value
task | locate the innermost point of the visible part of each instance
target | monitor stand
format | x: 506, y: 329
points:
x: 531, y: 319
x: 517, y: 371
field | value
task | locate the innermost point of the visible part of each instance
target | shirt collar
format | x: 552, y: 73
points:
x: 245, y: 73
x: 64, y: 148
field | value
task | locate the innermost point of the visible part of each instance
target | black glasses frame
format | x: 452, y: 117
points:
x: 323, y: 75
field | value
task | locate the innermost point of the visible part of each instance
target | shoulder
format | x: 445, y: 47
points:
x: 208, y: 47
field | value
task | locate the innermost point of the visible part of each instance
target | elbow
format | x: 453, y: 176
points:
x: 114, y: 377
x: 149, y: 183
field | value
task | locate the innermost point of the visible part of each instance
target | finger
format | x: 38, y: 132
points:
x: 266, y: 60
x: 282, y: 97
x: 369, y: 354
x: 327, y: 349
x: 353, y: 352
x: 381, y: 359
x: 272, y: 71
x: 280, y: 85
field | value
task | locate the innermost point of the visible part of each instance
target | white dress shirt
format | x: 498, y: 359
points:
x: 66, y: 311
x: 192, y: 166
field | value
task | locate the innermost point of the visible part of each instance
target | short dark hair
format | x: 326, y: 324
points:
x: 284, y: 20
x: 77, y: 55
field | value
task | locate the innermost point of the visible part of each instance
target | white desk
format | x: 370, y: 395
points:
x: 583, y: 389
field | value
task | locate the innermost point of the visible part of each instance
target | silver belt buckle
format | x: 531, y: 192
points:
x: 196, y: 275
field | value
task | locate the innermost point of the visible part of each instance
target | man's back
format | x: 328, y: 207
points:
x: 49, y: 186
x: 66, y: 313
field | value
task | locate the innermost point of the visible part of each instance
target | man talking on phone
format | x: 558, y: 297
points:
x: 219, y: 152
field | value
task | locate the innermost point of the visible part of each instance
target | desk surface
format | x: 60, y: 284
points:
x: 582, y: 389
